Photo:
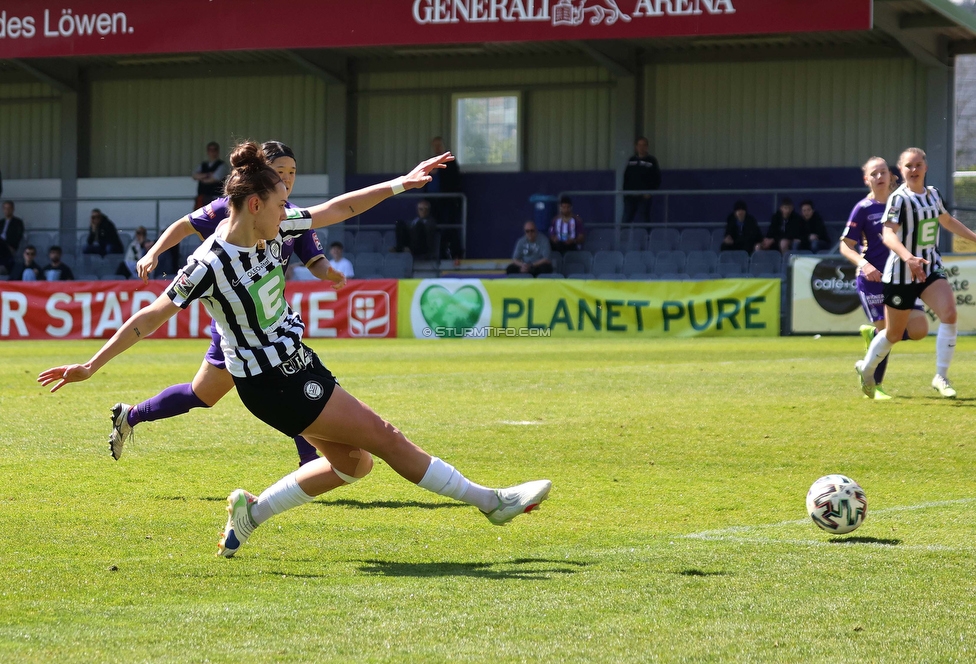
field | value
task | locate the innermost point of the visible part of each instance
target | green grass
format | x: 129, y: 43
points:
x: 676, y: 529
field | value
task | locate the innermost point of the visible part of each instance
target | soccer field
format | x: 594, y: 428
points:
x: 676, y: 528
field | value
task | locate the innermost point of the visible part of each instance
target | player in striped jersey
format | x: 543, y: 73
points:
x: 912, y: 217
x: 279, y: 379
x: 212, y: 381
x: 862, y: 245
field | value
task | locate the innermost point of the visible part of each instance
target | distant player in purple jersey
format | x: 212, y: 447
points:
x: 862, y: 245
x: 213, y: 380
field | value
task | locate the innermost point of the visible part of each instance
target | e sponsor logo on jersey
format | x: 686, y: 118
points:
x: 314, y: 390
x: 182, y: 286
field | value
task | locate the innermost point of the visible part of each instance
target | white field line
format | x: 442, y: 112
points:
x: 733, y: 531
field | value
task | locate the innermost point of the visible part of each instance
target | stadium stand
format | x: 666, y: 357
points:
x: 664, y: 239
x: 600, y: 239
x: 695, y: 239
x: 607, y: 262
x: 577, y: 262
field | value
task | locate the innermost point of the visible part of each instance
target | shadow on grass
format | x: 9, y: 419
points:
x: 701, y: 572
x: 520, y: 568
x: 865, y: 540
x: 387, y: 504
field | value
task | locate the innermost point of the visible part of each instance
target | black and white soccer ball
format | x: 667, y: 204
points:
x: 837, y: 504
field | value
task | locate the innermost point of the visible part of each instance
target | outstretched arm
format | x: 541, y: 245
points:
x: 956, y: 227
x: 171, y: 237
x: 142, y: 323
x: 349, y: 205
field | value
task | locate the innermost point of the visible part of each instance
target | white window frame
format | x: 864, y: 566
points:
x: 507, y: 167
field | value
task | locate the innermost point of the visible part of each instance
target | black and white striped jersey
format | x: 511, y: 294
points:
x: 243, y: 290
x: 917, y: 216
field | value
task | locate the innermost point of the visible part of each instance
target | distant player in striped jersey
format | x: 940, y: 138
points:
x: 212, y: 381
x: 912, y: 217
x: 862, y: 245
x: 278, y: 378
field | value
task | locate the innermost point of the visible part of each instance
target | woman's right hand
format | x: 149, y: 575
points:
x: 871, y: 273
x: 915, y: 265
x: 145, y: 266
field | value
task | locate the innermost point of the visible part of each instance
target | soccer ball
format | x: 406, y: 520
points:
x: 837, y: 504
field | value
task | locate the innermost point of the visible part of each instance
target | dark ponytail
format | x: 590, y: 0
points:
x: 250, y: 174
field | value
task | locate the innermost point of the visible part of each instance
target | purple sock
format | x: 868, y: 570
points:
x: 306, y: 452
x: 171, y: 402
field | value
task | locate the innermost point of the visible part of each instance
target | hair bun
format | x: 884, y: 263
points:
x: 248, y: 156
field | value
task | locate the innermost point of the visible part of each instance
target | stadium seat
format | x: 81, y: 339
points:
x: 671, y: 276
x: 730, y: 270
x: 369, y: 263
x: 551, y: 275
x: 42, y: 241
x: 718, y: 237
x: 577, y: 262
x: 607, y: 262
x: 398, y: 266
x: 701, y: 276
x: 109, y: 264
x: 633, y: 239
x: 556, y: 259
x: 369, y: 241
x: 695, y: 239
x: 738, y: 258
x: 349, y: 241
x: 677, y: 257
x: 601, y: 239
x: 765, y: 262
x: 664, y: 239
x: 389, y: 241
x: 640, y: 276
x: 610, y: 276
x: 701, y: 261
x: 86, y: 277
x: 579, y: 275
x: 112, y: 277
x: 666, y: 267
x: 634, y: 263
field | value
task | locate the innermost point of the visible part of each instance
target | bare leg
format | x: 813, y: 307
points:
x: 211, y: 384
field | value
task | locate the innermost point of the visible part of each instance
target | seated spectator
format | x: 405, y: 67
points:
x: 55, y: 270
x: 566, y: 228
x: 136, y: 250
x: 816, y: 237
x: 29, y: 269
x: 103, y: 238
x: 531, y: 253
x: 339, y: 262
x: 11, y: 233
x: 741, y: 230
x: 784, y: 226
x: 417, y: 236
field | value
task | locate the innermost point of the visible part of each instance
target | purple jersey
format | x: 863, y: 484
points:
x: 307, y: 247
x: 864, y: 227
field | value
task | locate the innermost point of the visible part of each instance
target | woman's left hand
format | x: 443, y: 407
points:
x: 61, y: 376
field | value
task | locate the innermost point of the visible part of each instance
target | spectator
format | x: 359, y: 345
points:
x: 11, y: 233
x: 815, y: 231
x: 210, y: 176
x: 642, y: 173
x: 566, y: 229
x: 531, y: 253
x: 29, y: 269
x: 446, y: 210
x: 103, y: 238
x: 784, y: 226
x: 136, y: 250
x: 55, y: 270
x: 741, y: 230
x: 339, y: 262
x: 417, y: 236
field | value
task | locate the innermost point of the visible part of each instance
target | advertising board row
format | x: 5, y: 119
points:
x: 423, y: 309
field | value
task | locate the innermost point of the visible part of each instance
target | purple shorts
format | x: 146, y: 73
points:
x: 871, y: 294
x: 215, y: 355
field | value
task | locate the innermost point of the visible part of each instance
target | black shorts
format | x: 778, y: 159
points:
x: 289, y: 397
x: 903, y: 296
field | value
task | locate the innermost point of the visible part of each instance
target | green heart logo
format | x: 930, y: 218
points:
x: 454, y: 311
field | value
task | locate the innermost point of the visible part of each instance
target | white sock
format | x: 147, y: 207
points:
x: 877, y: 351
x: 280, y: 496
x: 444, y: 480
x: 945, y: 348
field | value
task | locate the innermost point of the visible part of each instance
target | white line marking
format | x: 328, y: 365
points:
x: 521, y: 423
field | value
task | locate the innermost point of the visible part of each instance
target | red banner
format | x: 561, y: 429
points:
x: 29, y: 28
x: 96, y: 309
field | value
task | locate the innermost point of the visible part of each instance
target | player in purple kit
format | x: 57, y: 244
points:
x: 213, y: 380
x: 862, y: 245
